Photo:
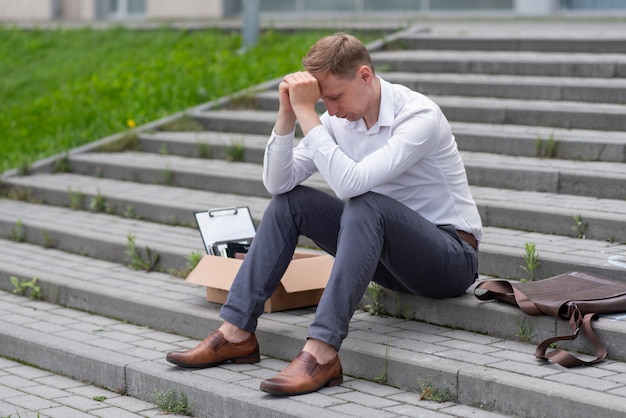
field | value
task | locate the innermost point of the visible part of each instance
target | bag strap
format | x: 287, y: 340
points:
x: 577, y: 322
x: 504, y: 291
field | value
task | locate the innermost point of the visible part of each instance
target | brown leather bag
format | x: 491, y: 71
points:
x: 575, y: 296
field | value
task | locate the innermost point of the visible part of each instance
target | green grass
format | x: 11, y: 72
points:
x: 67, y: 87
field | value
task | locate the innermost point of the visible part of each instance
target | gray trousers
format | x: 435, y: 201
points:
x: 372, y: 237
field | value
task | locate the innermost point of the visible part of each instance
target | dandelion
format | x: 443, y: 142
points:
x: 131, y: 123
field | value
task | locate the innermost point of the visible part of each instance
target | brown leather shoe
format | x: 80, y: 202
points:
x: 214, y: 350
x: 304, y: 375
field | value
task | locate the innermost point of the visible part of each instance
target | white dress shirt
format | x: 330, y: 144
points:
x: 409, y: 155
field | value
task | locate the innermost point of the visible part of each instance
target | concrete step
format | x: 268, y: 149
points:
x: 502, y: 254
x: 583, y: 178
x: 237, y: 121
x: 129, y: 358
x: 76, y: 333
x: 538, y: 141
x: 549, y: 213
x: 98, y: 234
x: 518, y: 140
x: 545, y: 113
x: 502, y: 42
x: 558, y: 114
x: 206, y: 144
x: 151, y: 202
x: 525, y: 63
x: 552, y: 213
x: 508, y: 138
x: 598, y: 90
x: 195, y: 173
x: 107, y: 237
x: 28, y: 391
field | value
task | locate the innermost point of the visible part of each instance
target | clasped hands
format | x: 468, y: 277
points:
x: 298, y: 93
x: 301, y: 88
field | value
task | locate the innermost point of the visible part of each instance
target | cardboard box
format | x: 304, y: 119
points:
x: 301, y: 286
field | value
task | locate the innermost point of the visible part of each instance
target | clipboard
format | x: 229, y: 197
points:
x: 220, y: 226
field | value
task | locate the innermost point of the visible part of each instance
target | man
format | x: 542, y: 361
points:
x: 403, y: 215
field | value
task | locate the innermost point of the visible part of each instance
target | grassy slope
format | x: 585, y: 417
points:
x: 64, y: 88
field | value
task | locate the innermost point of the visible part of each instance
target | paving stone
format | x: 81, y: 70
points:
x: 66, y: 412
x: 32, y: 401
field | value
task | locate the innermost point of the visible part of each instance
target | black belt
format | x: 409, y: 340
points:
x: 469, y: 238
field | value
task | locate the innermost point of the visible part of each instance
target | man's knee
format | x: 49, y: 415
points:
x: 286, y: 202
x: 364, y: 205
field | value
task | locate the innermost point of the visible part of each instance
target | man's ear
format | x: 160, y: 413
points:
x: 365, y: 73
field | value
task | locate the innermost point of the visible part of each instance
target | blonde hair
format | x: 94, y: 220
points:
x: 339, y: 54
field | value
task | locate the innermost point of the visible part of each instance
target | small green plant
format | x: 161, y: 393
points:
x: 203, y: 149
x: 171, y: 402
x: 545, y: 148
x: 76, y: 199
x: 579, y: 227
x: 99, y: 398
x: 192, y: 261
x: 98, y: 203
x: 236, y: 151
x: 26, y: 287
x: 167, y: 177
x: 531, y: 258
x: 430, y: 393
x: 403, y: 311
x: 47, y: 240
x: 137, y: 261
x: 374, y: 296
x: 62, y: 165
x: 524, y: 330
x: 131, y: 212
x: 382, y: 378
x: 18, y: 233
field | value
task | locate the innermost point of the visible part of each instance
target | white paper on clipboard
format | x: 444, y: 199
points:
x: 225, y: 224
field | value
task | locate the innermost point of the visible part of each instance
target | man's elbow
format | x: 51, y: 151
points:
x: 276, y: 189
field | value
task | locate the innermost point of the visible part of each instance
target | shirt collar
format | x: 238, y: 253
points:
x: 385, y: 113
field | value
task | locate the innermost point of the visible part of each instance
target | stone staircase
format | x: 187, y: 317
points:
x: 540, y: 122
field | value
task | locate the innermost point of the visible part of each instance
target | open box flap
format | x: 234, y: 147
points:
x: 308, y: 271
x: 214, y: 271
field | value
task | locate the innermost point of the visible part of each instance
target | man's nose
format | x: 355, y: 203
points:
x: 332, y: 109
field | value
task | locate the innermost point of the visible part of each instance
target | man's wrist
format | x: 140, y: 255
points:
x: 285, y: 123
x: 307, y: 118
